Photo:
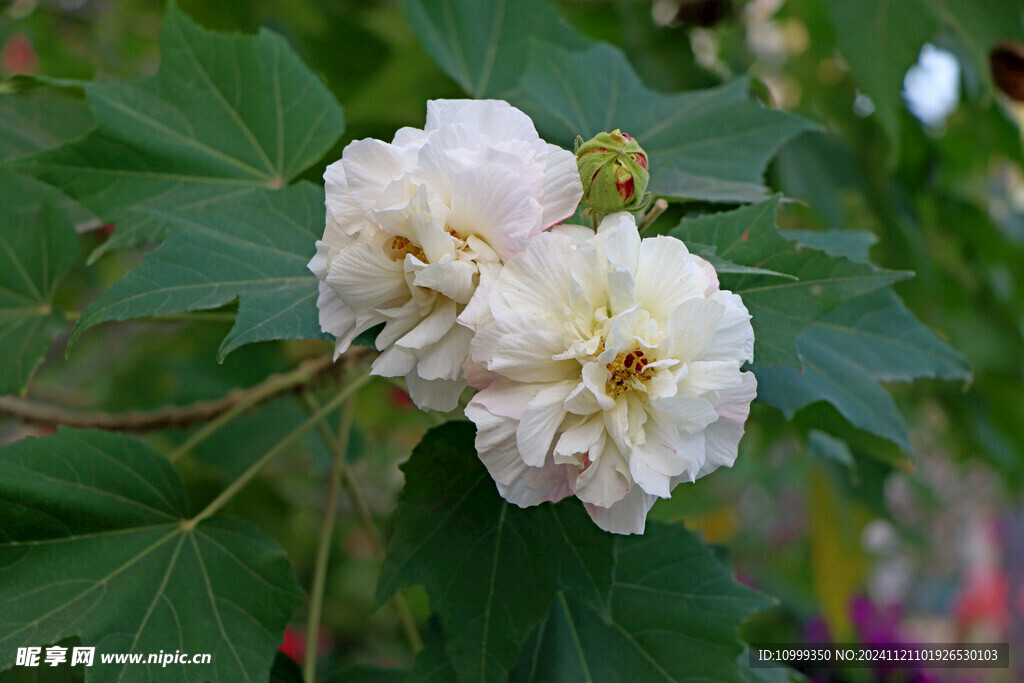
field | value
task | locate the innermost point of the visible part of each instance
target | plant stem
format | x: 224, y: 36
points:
x: 362, y: 510
x: 254, y: 469
x: 172, y: 416
x: 323, y: 553
x: 652, y: 215
x: 184, y: 317
x: 273, y: 386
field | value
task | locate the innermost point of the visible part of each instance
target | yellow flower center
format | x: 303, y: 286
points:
x: 400, y: 246
x: 628, y: 371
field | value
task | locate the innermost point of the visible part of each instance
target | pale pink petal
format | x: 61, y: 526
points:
x: 722, y: 438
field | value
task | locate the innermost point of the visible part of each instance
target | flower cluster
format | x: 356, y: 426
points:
x: 606, y: 366
x: 415, y: 226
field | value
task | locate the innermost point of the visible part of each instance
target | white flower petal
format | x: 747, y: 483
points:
x: 581, y: 438
x: 453, y: 279
x: 393, y: 362
x: 434, y: 394
x: 432, y: 328
x: 723, y: 436
x: 666, y: 276
x: 517, y: 482
x: 540, y: 421
x: 444, y: 359
x: 733, y: 337
x: 626, y: 516
x: 490, y: 202
x: 706, y: 377
x: 496, y: 120
x: 606, y: 480
x: 562, y: 189
x: 363, y: 277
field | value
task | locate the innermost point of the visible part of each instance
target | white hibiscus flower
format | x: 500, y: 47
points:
x: 609, y: 369
x: 415, y: 226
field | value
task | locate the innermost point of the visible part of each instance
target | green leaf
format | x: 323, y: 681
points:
x: 851, y: 244
x: 881, y: 39
x: 39, y: 118
x: 707, y: 144
x: 37, y: 247
x: 255, y: 248
x: 781, y: 309
x: 226, y: 116
x: 484, y: 46
x: 489, y: 567
x: 675, y: 611
x: 870, y: 339
x: 710, y: 254
x: 94, y: 543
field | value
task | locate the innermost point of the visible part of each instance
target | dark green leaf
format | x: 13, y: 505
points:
x: 484, y: 46
x: 489, y: 567
x: 710, y: 254
x: 675, y: 611
x: 781, y: 309
x: 40, y: 118
x: 851, y: 244
x: 706, y: 144
x: 95, y: 543
x: 255, y: 248
x: 226, y: 115
x: 870, y: 339
x: 37, y: 247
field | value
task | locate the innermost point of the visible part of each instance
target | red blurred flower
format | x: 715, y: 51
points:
x: 18, y: 57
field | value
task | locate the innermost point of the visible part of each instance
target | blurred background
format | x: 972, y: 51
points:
x: 858, y: 544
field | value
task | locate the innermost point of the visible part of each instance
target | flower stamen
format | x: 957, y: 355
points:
x: 400, y: 246
x: 628, y: 371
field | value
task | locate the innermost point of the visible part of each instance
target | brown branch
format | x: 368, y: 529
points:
x: 29, y: 410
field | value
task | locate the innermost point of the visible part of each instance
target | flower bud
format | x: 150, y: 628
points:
x: 613, y: 168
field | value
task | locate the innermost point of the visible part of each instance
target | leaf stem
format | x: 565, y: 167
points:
x: 273, y: 386
x: 183, y: 317
x: 362, y: 510
x: 254, y: 469
x: 30, y: 410
x: 323, y: 552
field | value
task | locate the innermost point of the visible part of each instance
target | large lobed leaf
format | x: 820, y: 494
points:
x: 707, y: 144
x: 781, y: 308
x: 39, y: 118
x: 542, y: 593
x: 255, y: 248
x: 490, y: 568
x: 674, y: 615
x: 37, y: 247
x: 94, y: 543
x: 225, y: 116
x: 37, y: 243
x: 847, y: 352
x: 484, y: 46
